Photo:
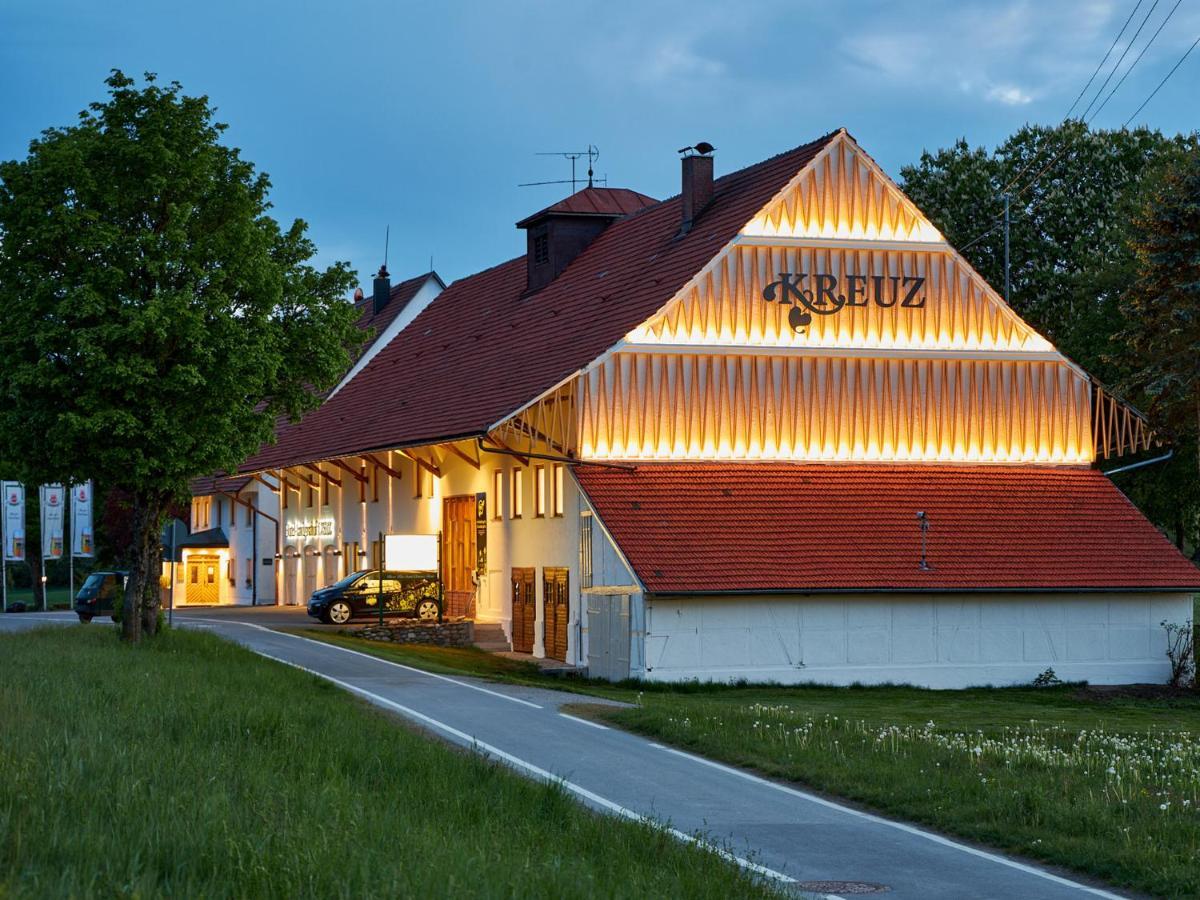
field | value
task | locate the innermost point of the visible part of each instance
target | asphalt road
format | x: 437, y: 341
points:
x: 787, y: 834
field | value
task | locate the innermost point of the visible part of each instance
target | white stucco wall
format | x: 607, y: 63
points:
x: 940, y: 641
x: 528, y: 541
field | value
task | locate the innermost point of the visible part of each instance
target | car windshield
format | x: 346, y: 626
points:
x: 349, y: 579
x: 93, y: 582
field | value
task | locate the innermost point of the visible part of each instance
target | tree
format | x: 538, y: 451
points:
x: 1163, y: 331
x: 154, y: 319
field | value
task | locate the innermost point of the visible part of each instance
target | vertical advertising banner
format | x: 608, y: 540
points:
x: 81, y: 520
x: 53, y: 510
x: 14, y: 521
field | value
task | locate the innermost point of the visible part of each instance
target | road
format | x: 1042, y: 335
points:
x: 786, y: 834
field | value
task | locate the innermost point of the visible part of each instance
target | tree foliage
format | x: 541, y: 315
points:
x: 1076, y: 211
x: 154, y: 319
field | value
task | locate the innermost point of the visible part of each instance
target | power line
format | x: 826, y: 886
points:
x: 1166, y: 77
x: 1029, y: 165
x: 1133, y: 65
x: 1121, y: 59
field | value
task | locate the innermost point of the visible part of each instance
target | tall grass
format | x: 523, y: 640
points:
x: 190, y: 767
x: 1113, y: 791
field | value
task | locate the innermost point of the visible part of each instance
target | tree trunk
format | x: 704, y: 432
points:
x: 140, y: 613
x: 35, y: 575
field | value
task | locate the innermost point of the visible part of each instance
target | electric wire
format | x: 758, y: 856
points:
x: 1120, y: 59
x: 1033, y: 160
x: 1067, y: 145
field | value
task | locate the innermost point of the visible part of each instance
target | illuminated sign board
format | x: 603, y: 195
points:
x: 823, y: 298
x: 410, y: 552
x: 311, y: 528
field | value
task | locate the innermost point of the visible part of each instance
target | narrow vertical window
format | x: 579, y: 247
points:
x: 516, y: 500
x: 309, y: 495
x: 585, y: 550
x: 498, y: 494
x: 249, y: 572
x: 418, y: 481
x: 559, y: 481
x: 250, y: 503
x: 324, y: 489
x: 539, y: 492
x: 375, y: 473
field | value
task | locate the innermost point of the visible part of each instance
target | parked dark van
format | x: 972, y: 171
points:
x: 358, y: 594
x: 95, y: 597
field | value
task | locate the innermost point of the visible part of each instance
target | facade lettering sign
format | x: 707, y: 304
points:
x: 311, y: 528
x: 823, y: 298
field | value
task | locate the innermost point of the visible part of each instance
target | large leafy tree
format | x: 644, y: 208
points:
x: 1163, y: 330
x: 154, y: 319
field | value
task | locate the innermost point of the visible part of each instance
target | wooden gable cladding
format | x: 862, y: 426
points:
x: 659, y: 406
x: 958, y: 310
x: 1118, y: 429
x: 548, y: 425
x: 842, y: 193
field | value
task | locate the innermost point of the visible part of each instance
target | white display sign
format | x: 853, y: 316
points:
x: 410, y: 552
x: 14, y: 521
x: 53, y: 510
x: 82, y: 543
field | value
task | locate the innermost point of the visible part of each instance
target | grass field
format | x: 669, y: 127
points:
x: 1107, y: 786
x: 190, y: 767
x: 57, y: 596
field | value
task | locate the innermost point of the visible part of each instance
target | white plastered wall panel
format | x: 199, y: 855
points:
x: 930, y: 640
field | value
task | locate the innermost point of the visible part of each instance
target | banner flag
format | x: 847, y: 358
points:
x: 81, y: 520
x: 14, y: 521
x: 53, y: 508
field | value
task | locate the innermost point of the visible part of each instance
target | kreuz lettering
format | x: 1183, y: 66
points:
x: 914, y: 284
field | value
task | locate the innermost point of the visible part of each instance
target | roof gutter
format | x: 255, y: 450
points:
x: 1138, y: 465
x: 809, y: 591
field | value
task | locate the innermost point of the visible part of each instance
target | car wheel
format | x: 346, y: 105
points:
x: 339, y: 612
x: 427, y: 610
x: 85, y: 617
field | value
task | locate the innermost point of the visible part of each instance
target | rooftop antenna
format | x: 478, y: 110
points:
x: 923, y: 524
x: 387, y: 236
x: 592, y: 153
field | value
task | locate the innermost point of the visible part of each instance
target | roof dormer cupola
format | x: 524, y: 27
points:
x: 559, y: 233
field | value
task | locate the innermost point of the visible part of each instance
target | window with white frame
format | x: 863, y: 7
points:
x: 516, y: 497
x: 539, y: 492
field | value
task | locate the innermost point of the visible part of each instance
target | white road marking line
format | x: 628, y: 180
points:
x: 537, y: 771
x: 900, y: 826
x: 378, y: 659
x: 584, y: 721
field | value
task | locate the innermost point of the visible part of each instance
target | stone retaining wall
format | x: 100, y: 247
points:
x: 460, y: 633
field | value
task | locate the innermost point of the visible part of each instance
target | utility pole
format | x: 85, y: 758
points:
x: 1007, y: 276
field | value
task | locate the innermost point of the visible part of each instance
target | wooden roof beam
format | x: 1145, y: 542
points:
x: 376, y: 461
x: 463, y: 455
x: 324, y: 474
x: 350, y: 470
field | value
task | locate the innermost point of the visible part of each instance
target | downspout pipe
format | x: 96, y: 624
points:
x: 1138, y: 465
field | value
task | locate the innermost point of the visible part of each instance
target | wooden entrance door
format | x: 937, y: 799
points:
x: 202, y: 575
x: 556, y: 611
x: 524, y: 610
x: 458, y: 555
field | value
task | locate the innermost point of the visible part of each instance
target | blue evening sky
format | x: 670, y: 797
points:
x: 425, y: 116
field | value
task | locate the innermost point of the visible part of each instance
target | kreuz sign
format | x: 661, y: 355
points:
x: 823, y: 298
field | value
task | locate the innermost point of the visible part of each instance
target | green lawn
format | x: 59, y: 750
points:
x: 57, y: 596
x: 190, y: 767
x: 1021, y: 769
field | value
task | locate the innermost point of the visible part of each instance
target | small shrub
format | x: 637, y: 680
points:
x: 1046, y: 679
x: 1181, y: 651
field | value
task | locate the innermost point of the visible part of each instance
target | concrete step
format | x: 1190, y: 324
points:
x: 490, y: 637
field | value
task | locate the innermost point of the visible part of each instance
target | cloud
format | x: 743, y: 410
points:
x: 1008, y: 94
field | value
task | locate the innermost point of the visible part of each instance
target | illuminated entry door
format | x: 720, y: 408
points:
x: 202, y: 575
x: 524, y: 610
x: 458, y: 555
x: 556, y: 609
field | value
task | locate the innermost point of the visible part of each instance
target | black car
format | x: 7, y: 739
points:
x: 96, y: 596
x: 359, y: 594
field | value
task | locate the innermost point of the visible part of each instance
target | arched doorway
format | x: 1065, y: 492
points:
x: 290, y: 556
x: 311, y: 558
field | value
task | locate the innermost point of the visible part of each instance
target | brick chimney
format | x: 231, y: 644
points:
x: 697, y: 187
x: 382, y: 291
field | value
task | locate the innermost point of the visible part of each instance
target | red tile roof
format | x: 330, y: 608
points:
x: 398, y: 298
x: 214, y: 484
x: 594, y: 201
x: 483, y: 348
x: 774, y: 527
